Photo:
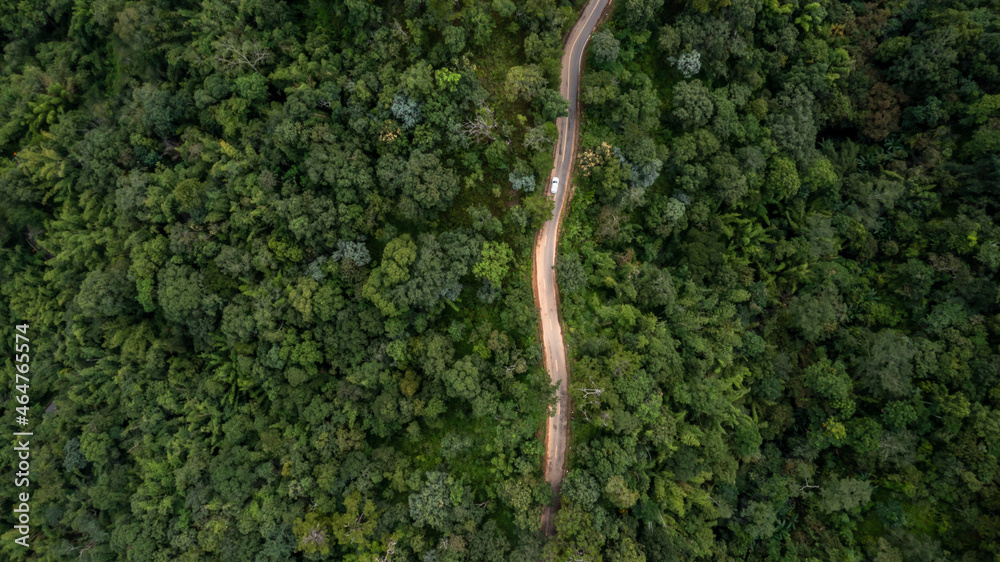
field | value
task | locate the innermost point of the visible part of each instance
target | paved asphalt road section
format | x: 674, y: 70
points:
x: 545, y: 257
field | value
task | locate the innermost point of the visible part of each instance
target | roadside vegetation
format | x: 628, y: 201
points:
x: 275, y: 260
x: 779, y: 280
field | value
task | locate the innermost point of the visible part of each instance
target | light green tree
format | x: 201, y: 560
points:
x: 495, y: 262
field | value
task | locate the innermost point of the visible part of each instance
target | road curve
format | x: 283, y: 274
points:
x: 545, y: 257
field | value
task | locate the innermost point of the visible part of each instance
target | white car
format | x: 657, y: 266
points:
x: 555, y: 185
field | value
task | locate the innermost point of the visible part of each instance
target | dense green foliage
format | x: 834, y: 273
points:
x: 275, y: 260
x: 779, y: 281
x: 276, y: 274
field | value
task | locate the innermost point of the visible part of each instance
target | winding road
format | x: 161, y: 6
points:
x: 545, y: 257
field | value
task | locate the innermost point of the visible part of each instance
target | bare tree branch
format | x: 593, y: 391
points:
x: 249, y: 53
x: 390, y: 550
x: 481, y: 126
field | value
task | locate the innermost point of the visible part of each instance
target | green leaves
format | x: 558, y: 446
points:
x: 577, y: 536
x: 353, y: 527
x: 439, y: 503
x: 619, y: 494
x: 524, y: 82
x: 48, y: 107
x: 447, y: 79
x: 462, y: 380
x: 782, y: 179
x: 832, y: 385
x: 817, y: 314
x: 692, y: 104
x: 244, y: 374
x: 494, y: 262
x: 183, y: 299
x: 313, y: 534
x: 843, y: 494
x: 392, y: 270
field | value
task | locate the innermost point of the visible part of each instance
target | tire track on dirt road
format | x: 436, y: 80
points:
x: 545, y: 256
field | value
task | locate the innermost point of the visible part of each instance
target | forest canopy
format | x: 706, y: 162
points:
x: 275, y: 258
x: 275, y: 272
x: 780, y: 276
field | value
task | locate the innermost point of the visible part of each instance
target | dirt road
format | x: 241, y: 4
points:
x: 545, y: 256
